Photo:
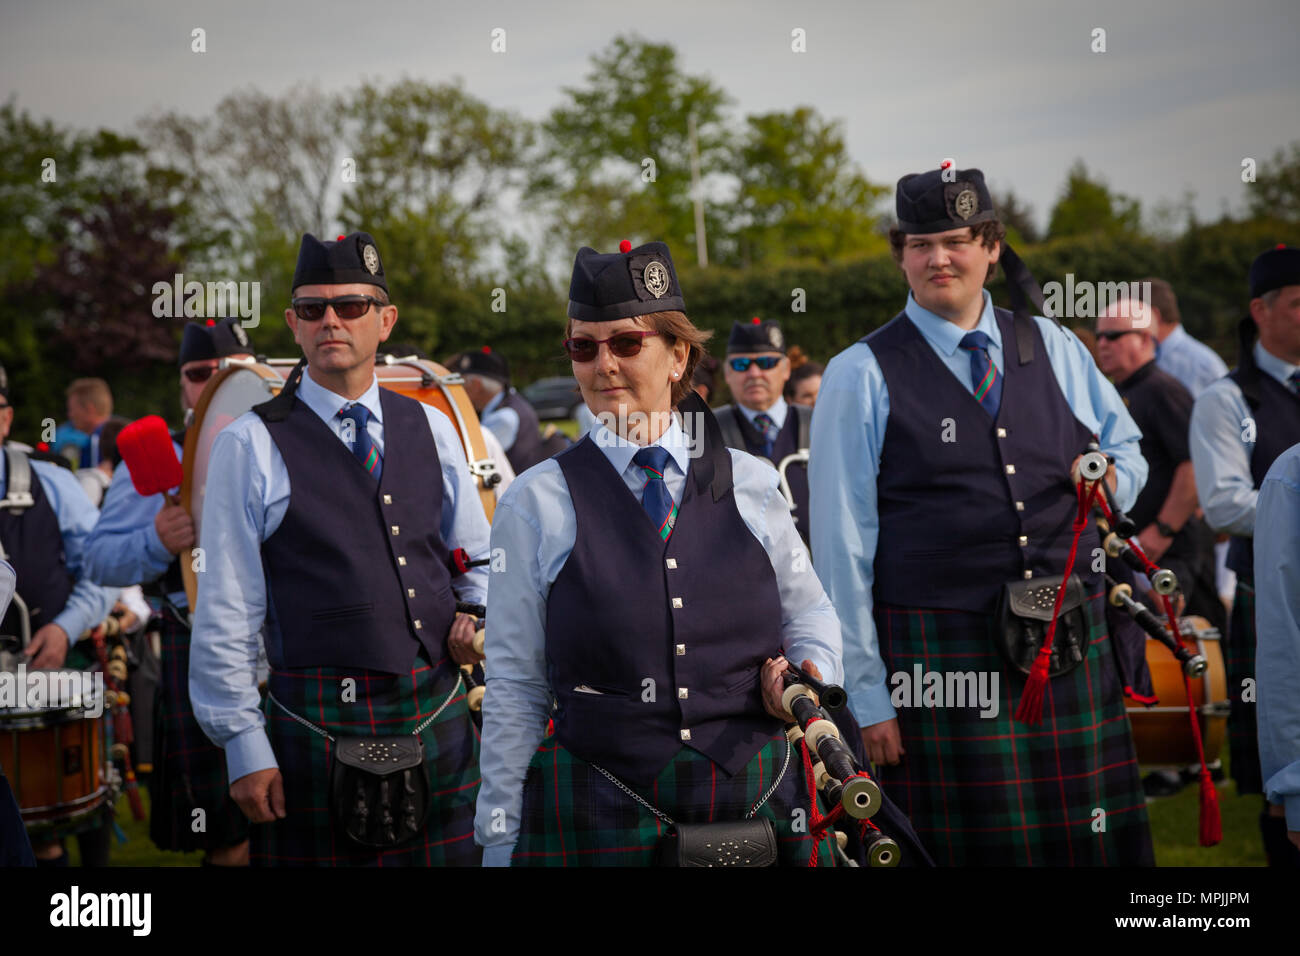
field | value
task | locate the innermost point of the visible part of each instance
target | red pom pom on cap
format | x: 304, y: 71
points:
x: 945, y: 164
x: 487, y: 350
x: 625, y: 246
x: 341, y: 238
x: 1281, y: 245
x: 211, y: 322
x: 756, y: 321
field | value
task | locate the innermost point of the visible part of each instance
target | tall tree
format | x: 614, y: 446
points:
x: 800, y: 195
x: 1088, y: 207
x: 616, y: 159
x: 1018, y: 216
x: 1275, y: 193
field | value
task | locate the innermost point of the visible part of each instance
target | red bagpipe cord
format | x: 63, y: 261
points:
x: 1030, y: 710
x: 819, y: 825
x: 1211, y: 823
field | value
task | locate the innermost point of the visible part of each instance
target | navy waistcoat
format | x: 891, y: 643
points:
x: 1276, y: 410
x: 787, y: 443
x: 968, y: 504
x: 527, y: 449
x: 357, y: 570
x: 34, y: 544
x: 673, y: 633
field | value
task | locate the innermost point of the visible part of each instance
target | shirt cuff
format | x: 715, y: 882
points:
x: 248, y: 753
x: 70, y: 621
x: 498, y: 855
x: 872, y: 706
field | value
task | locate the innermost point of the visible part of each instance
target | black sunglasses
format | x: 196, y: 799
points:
x: 624, y: 345
x: 199, y: 375
x: 1117, y: 334
x: 345, y: 307
x: 766, y: 363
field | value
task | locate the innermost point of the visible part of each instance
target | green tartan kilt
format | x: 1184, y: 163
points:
x: 189, y: 770
x: 574, y: 816
x: 990, y: 791
x: 1239, y: 664
x: 378, y: 705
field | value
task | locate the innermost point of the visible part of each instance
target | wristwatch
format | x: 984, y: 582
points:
x: 1164, y: 529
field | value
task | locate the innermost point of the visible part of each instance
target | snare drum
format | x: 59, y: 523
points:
x: 55, y: 757
x: 1163, y: 734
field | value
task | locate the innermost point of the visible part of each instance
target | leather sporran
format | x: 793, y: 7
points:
x: 379, y: 791
x: 739, y: 843
x: 1023, y: 615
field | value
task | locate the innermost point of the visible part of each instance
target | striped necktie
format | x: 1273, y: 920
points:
x: 656, y: 500
x: 985, y: 380
x: 363, y: 447
x: 764, y: 423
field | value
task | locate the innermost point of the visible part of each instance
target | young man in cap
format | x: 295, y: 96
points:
x: 330, y: 518
x: 142, y: 540
x: 761, y: 422
x: 943, y: 449
x: 1240, y: 425
x: 501, y: 409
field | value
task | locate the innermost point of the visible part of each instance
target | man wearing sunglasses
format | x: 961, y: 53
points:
x: 761, y: 422
x: 943, y: 448
x: 331, y: 513
x: 137, y: 541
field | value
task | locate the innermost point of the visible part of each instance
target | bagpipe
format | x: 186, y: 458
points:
x: 1119, y: 541
x: 832, y: 770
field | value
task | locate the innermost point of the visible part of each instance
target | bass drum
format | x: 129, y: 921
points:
x: 239, y: 385
x: 1163, y: 734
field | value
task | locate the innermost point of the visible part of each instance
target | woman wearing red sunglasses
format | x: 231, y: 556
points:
x: 652, y: 592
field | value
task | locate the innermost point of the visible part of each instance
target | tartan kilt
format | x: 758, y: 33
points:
x: 574, y: 816
x: 384, y: 705
x: 1239, y: 664
x: 189, y: 771
x: 991, y: 791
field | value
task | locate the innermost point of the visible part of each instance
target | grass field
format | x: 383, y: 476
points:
x: 1173, y: 827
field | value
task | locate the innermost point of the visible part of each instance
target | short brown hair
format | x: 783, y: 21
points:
x: 987, y: 232
x: 93, y: 392
x: 673, y: 326
x: 1164, y: 301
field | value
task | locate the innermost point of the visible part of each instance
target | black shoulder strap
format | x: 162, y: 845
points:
x: 805, y: 425
x: 732, y: 436
x: 712, y: 467
x: 1247, y: 371
x: 277, y: 409
x: 1026, y: 300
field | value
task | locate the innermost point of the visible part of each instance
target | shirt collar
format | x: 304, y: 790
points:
x: 326, y: 404
x: 619, y: 451
x: 1172, y: 340
x: 777, y: 412
x: 1269, y: 363
x: 944, y: 336
x: 495, y: 403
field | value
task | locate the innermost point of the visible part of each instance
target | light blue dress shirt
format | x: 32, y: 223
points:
x: 535, y: 527
x: 1277, y: 622
x: 1220, y: 438
x: 848, y: 430
x: 777, y: 413
x: 124, y: 549
x: 504, y: 422
x: 247, y: 497
x: 1189, y: 360
x: 89, y: 603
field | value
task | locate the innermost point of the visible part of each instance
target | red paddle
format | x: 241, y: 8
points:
x: 146, y: 447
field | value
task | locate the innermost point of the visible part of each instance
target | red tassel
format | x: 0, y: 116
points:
x: 1211, y: 822
x: 1030, y: 710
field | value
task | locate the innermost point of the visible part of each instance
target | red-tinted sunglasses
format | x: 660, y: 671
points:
x: 199, y: 375
x: 624, y: 345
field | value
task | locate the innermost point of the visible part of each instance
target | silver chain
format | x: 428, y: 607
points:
x: 415, y: 733
x: 669, y: 820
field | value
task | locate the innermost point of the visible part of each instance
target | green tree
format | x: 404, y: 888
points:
x: 1018, y: 216
x: 616, y: 159
x: 800, y: 196
x: 1275, y: 193
x: 1088, y: 207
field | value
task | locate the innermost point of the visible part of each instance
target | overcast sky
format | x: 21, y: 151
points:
x: 1184, y: 91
